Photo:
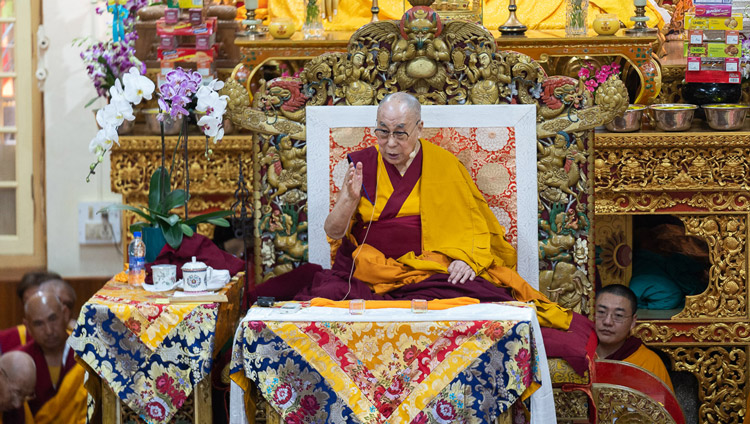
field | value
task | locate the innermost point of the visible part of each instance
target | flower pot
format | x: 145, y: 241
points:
x: 171, y: 126
x: 155, y: 242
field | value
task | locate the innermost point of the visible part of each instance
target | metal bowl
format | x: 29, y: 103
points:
x: 673, y: 116
x: 725, y: 116
x: 171, y: 126
x: 629, y: 121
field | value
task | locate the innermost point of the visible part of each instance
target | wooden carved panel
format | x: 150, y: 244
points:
x: 722, y: 374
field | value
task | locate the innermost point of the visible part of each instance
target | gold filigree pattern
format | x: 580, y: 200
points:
x: 726, y: 292
x: 721, y: 371
x: 618, y: 203
x: 624, y: 405
x: 570, y: 406
x: 615, y: 237
x: 561, y: 372
x: 716, y: 332
x: 693, y: 168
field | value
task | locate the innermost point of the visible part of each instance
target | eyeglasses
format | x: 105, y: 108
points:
x: 617, y: 317
x: 382, y: 134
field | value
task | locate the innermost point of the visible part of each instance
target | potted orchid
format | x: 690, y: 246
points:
x: 181, y: 90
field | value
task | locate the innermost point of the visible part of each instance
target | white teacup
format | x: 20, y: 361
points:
x: 194, y: 276
x: 164, y: 276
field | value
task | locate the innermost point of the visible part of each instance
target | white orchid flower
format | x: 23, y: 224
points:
x: 137, y: 86
x: 215, y: 85
x: 211, y: 126
x: 212, y: 104
x: 108, y: 116
x: 104, y: 140
x: 116, y: 92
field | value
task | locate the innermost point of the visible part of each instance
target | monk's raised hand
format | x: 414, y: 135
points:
x: 353, y: 181
x: 459, y: 272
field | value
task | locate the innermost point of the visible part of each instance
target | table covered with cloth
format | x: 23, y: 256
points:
x: 152, y: 353
x: 466, y: 364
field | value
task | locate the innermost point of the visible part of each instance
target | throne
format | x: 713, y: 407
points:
x: 441, y: 63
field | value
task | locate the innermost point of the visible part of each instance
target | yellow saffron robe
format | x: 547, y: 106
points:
x: 457, y: 224
x: 648, y: 360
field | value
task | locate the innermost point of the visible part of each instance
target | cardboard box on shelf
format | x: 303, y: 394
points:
x: 713, y: 76
x: 186, y: 54
x: 732, y: 23
x: 713, y: 10
x: 712, y: 49
x: 185, y: 28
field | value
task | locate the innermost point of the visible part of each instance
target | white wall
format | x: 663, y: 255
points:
x: 68, y: 129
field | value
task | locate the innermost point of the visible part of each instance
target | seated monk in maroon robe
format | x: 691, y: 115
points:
x: 413, y: 225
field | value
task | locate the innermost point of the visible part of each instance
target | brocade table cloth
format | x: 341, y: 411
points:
x: 150, y: 352
x: 461, y: 365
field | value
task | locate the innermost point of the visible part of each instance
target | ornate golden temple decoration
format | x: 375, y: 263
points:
x: 444, y: 63
x: 624, y: 405
x: 721, y: 373
x: 709, y: 165
x: 570, y: 406
x: 618, y: 203
x: 561, y: 372
x: 212, y: 180
x: 726, y: 295
x: 614, y: 235
x: 717, y: 332
x: 672, y: 81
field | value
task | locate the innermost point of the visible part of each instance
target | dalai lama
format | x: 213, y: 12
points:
x: 413, y: 225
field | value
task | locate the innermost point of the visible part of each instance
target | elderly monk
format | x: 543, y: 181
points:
x: 413, y: 225
x: 16, y: 336
x: 17, y: 379
x: 65, y: 293
x: 615, y: 318
x: 60, y: 396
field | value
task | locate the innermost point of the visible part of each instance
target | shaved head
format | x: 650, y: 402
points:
x: 62, y: 290
x: 18, y: 379
x: 46, y: 318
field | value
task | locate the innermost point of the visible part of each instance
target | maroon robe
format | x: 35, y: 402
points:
x: 10, y: 339
x: 628, y: 348
x: 45, y: 390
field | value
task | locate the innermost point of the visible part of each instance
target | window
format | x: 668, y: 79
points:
x: 21, y: 195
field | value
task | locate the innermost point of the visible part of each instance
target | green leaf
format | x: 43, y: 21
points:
x: 187, y: 230
x: 139, y: 211
x: 207, y: 216
x: 220, y: 222
x: 156, y: 189
x: 170, y: 220
x: 175, y: 199
x: 173, y: 236
x: 90, y: 102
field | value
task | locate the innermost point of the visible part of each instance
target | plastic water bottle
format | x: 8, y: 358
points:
x: 136, y: 260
